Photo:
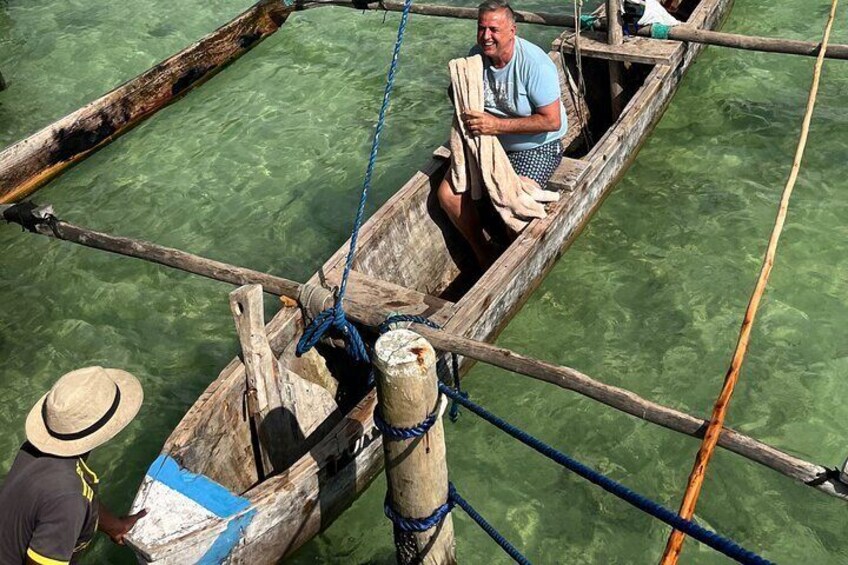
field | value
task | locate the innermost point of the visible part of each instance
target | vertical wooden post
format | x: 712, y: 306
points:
x: 416, y: 468
x: 615, y: 36
x: 284, y: 407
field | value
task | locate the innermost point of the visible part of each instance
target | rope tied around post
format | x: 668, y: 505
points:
x: 335, y: 316
x: 453, y: 414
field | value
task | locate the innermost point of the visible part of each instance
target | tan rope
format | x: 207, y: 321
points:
x: 696, y: 477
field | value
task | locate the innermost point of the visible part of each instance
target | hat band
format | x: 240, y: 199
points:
x: 90, y: 429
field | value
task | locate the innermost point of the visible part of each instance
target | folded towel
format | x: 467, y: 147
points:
x: 480, y: 162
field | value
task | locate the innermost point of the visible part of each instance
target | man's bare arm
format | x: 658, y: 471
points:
x: 545, y: 119
x: 113, y: 526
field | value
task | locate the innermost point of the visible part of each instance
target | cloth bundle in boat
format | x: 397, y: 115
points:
x: 480, y: 162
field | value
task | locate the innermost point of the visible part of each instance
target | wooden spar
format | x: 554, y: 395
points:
x: 417, y: 468
x: 540, y: 18
x: 286, y: 408
x: 371, y: 313
x: 714, y: 430
x: 33, y: 161
x: 615, y: 36
x: 259, y: 368
x: 30, y: 163
x: 676, y: 33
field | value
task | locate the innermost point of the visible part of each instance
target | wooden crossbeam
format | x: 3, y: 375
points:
x: 371, y: 306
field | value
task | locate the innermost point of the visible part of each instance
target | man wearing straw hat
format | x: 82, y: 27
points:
x: 49, y: 510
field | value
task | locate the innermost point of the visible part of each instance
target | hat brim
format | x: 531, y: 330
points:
x: 132, y: 396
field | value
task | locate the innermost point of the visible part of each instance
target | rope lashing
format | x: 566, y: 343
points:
x: 453, y: 414
x: 660, y: 31
x: 418, y: 525
x: 411, y: 432
x: 335, y: 317
x: 711, y: 539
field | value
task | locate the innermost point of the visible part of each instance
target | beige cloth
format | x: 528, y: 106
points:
x: 480, y: 162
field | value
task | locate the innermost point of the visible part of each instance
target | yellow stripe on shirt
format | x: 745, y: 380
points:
x: 41, y: 560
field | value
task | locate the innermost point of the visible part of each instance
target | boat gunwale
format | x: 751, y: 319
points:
x: 707, y: 13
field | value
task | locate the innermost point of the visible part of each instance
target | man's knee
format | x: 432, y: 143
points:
x: 448, y: 199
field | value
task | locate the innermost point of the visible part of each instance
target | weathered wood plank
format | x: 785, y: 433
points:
x: 593, y: 44
x: 567, y: 175
x: 28, y: 164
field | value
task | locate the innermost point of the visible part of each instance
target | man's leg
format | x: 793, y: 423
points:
x: 462, y: 211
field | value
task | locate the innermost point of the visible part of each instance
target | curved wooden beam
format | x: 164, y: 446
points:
x: 28, y: 164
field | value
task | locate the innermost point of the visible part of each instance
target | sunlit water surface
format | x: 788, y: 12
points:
x: 262, y: 167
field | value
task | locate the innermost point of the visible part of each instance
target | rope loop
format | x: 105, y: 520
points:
x: 660, y: 31
x: 418, y: 525
x: 411, y: 432
x: 333, y: 318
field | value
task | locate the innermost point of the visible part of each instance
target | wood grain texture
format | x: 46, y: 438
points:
x: 28, y: 164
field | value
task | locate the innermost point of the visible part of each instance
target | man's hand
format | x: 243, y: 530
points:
x: 116, y: 528
x: 481, y: 123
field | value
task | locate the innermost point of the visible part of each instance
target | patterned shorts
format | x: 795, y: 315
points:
x: 538, y: 163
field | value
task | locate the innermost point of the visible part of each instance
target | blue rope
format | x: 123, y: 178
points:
x: 453, y: 412
x: 335, y: 317
x: 418, y: 525
x: 711, y: 539
x: 454, y: 497
x: 412, y: 432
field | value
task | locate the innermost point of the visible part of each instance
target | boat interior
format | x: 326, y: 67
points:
x: 408, y: 244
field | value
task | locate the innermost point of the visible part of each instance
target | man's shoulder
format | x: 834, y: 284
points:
x: 532, y: 54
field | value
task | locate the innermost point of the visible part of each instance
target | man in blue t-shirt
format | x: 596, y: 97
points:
x: 522, y: 108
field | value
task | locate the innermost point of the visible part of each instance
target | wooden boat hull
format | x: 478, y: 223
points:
x: 194, y: 518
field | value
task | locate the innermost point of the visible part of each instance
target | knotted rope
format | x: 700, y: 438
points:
x: 711, y: 436
x: 334, y: 317
x: 417, y: 525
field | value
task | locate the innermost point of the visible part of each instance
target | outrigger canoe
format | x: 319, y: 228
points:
x: 208, y: 498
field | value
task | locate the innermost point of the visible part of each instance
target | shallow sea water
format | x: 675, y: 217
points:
x: 262, y: 167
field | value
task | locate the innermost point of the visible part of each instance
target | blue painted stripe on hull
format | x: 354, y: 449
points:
x: 202, y: 490
x: 227, y: 540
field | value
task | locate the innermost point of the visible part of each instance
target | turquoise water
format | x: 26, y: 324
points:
x: 262, y: 166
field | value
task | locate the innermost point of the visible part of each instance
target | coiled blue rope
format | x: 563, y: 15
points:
x: 335, y: 317
x: 453, y: 413
x: 711, y: 539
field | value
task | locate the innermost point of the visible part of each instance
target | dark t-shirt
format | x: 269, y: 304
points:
x: 48, y: 508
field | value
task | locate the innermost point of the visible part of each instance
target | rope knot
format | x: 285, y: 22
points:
x: 335, y: 318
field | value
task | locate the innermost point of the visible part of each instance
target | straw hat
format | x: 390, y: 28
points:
x: 84, y: 409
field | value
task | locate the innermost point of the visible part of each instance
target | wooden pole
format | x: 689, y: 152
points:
x: 284, y: 407
x: 372, y: 313
x: 416, y: 469
x: 676, y: 33
x: 615, y: 36
x: 711, y: 437
x: 260, y: 367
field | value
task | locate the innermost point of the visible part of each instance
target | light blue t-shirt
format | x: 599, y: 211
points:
x: 527, y: 82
